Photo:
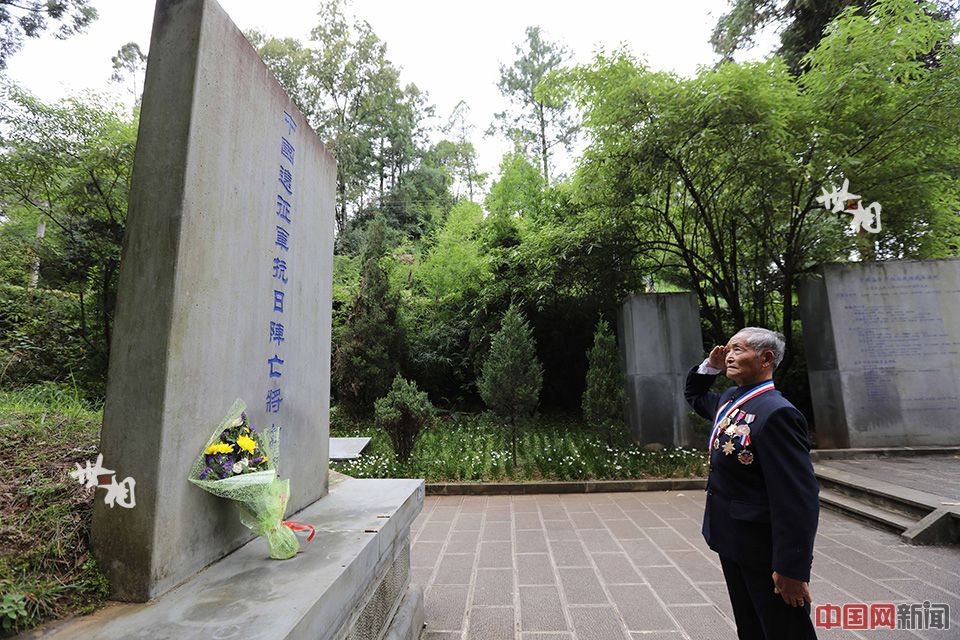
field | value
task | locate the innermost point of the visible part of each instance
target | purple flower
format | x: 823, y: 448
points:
x: 252, y: 428
x: 257, y: 460
x: 203, y: 474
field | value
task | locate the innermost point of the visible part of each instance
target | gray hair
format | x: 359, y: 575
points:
x: 766, y: 340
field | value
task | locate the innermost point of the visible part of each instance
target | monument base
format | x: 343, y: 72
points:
x: 351, y: 582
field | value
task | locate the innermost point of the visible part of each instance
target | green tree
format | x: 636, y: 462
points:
x: 455, y: 265
x: 128, y: 65
x: 719, y: 174
x: 514, y: 203
x: 518, y: 192
x: 603, y: 397
x: 512, y: 376
x: 403, y: 413
x: 463, y: 153
x: 352, y: 96
x: 446, y: 285
x: 69, y: 165
x: 21, y: 19
x: 535, y: 121
x: 369, y: 350
x: 803, y: 22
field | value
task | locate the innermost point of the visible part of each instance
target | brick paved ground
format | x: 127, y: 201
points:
x: 633, y: 566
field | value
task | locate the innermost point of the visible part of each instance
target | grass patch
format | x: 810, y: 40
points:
x: 46, y: 569
x: 476, y: 448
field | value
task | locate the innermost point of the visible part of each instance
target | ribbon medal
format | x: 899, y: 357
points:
x: 727, y: 416
x: 745, y: 457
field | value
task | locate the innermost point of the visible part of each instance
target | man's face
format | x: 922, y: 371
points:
x: 744, y: 363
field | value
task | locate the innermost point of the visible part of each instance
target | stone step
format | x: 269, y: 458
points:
x: 907, y: 502
x: 865, y: 511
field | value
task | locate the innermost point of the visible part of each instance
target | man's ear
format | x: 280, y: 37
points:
x: 767, y: 358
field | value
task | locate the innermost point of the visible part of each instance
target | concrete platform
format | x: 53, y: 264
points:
x: 351, y: 581
x: 633, y: 566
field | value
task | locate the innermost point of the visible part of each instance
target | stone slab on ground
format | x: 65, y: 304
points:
x: 361, y: 544
x: 668, y: 584
x: 347, y: 448
x: 201, y: 295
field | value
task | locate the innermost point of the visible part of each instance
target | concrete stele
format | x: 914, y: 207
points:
x: 883, y: 353
x: 660, y: 340
x: 198, y: 293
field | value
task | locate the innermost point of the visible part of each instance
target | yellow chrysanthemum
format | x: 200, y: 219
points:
x: 246, y: 443
x: 220, y: 447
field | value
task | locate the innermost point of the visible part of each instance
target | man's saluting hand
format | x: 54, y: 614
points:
x: 717, y: 357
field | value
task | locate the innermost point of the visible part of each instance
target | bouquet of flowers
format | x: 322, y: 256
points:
x: 239, y: 464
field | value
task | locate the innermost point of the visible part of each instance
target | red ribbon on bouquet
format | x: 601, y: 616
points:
x: 300, y: 526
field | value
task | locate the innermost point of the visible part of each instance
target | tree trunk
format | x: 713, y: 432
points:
x: 470, y: 179
x: 341, y: 209
x: 382, y: 176
x: 543, y: 143
x: 866, y: 246
x: 83, y: 313
x: 105, y: 302
x: 35, y: 271
x: 784, y: 367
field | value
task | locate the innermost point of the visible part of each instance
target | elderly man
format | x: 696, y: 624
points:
x: 762, y: 497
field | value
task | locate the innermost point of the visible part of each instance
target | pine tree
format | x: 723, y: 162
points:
x: 603, y: 397
x: 512, y: 376
x: 366, y: 360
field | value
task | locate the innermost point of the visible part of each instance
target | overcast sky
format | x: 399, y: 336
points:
x: 452, y: 50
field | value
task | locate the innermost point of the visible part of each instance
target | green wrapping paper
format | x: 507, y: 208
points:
x: 259, y: 494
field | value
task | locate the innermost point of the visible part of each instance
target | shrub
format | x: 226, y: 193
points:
x: 403, y: 413
x: 39, y: 337
x: 603, y: 397
x: 512, y: 376
x: 13, y: 610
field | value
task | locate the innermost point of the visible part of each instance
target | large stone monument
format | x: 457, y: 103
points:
x: 225, y: 292
x: 660, y: 340
x: 883, y: 353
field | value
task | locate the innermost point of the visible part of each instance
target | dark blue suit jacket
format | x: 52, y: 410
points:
x: 764, y: 514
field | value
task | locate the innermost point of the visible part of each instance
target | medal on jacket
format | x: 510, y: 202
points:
x: 745, y: 457
x: 724, y: 413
